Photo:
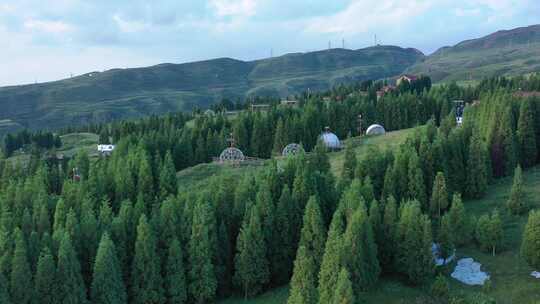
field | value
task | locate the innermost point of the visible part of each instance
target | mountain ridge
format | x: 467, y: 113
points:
x: 134, y: 92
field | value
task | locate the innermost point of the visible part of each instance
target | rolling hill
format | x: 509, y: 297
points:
x: 508, y: 52
x: 123, y: 93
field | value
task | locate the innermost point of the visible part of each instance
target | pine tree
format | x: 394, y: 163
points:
x: 508, y: 142
x: 4, y: 294
x: 21, y: 276
x: 526, y: 136
x: 146, y: 280
x: 516, y: 202
x: 267, y: 214
x: 44, y: 279
x: 167, y: 177
x: 304, y: 279
x: 416, y: 189
x: 107, y: 284
x: 344, y: 292
x: 439, y: 196
x: 530, y: 247
x: 446, y: 237
x: 313, y: 235
x: 332, y: 258
x: 280, y: 138
x: 285, y: 252
x: 202, y: 272
x: 251, y: 264
x: 70, y: 284
x: 414, y: 239
x: 145, y: 180
x: 350, y: 163
x: 175, y: 280
x: 360, y: 251
x: 458, y: 221
x: 387, y: 251
x: 477, y: 173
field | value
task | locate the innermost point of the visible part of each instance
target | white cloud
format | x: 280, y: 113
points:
x: 51, y: 27
x: 362, y: 15
x: 129, y: 26
x: 240, y: 8
x: 461, y: 12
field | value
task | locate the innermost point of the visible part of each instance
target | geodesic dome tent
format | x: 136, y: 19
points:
x: 375, y: 130
x: 330, y: 140
x: 231, y: 155
x: 292, y: 149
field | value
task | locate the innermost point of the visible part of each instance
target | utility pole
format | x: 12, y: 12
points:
x: 375, y: 39
x: 343, y: 43
x: 360, y: 124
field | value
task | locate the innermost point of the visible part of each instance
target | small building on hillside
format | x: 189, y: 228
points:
x: 105, y: 149
x: 407, y: 77
x: 260, y: 107
x: 289, y: 103
x: 385, y: 90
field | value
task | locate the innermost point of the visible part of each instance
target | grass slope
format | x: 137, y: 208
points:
x: 121, y: 93
x: 512, y: 52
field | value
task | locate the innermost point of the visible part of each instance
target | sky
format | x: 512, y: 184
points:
x: 54, y: 39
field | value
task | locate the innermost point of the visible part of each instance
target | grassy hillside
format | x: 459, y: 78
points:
x: 122, y: 93
x: 512, y: 52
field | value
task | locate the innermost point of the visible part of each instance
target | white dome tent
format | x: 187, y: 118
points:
x: 330, y: 140
x: 375, y: 130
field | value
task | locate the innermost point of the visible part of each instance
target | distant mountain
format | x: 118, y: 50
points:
x: 122, y: 93
x: 509, y: 52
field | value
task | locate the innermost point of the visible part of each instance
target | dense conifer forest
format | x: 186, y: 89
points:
x: 117, y: 230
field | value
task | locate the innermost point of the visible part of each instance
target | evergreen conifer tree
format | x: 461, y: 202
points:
x: 251, y: 264
x: 107, y: 284
x: 530, y: 247
x: 304, y: 279
x: 332, y: 258
x: 285, y: 252
x: 45, y: 277
x: 4, y: 294
x: 69, y: 280
x: 350, y: 163
x: 439, y: 196
x: 446, y: 237
x: 458, y: 221
x: 387, y: 251
x: 516, y: 202
x: 21, y: 275
x: 414, y: 239
x: 167, y: 177
x: 344, y: 292
x: 477, y: 173
x: 146, y: 280
x: 313, y: 235
x: 202, y: 272
x: 416, y: 189
x: 526, y: 136
x: 360, y: 251
x: 175, y: 280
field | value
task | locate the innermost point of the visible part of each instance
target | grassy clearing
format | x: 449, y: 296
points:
x: 390, y: 140
x: 75, y: 142
x: 196, y: 177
